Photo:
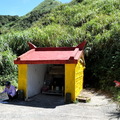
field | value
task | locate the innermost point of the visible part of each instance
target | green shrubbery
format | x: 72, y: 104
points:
x: 8, y: 71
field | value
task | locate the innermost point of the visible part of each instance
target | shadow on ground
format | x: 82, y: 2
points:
x: 43, y: 101
x: 115, y: 115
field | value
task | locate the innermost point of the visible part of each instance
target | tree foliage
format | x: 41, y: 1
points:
x: 5, y: 19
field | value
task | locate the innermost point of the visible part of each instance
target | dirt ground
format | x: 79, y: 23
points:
x: 48, y: 107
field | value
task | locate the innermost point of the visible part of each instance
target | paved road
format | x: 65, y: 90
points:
x: 45, y: 107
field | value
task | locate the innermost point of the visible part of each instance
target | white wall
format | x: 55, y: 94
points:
x: 36, y: 73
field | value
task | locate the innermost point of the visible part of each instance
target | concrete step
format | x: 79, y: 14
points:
x: 83, y: 99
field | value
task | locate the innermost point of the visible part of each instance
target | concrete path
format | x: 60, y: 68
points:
x: 45, y: 107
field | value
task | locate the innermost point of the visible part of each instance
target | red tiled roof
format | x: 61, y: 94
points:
x: 51, y: 55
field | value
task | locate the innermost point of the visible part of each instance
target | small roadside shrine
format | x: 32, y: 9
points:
x: 51, y: 70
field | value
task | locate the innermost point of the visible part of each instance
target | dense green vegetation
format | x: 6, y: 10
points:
x: 5, y: 21
x: 97, y: 21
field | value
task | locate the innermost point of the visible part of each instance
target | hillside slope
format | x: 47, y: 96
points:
x: 38, y: 12
x: 26, y: 21
x: 97, y: 21
x: 6, y: 21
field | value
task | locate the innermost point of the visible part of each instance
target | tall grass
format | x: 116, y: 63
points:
x: 8, y: 71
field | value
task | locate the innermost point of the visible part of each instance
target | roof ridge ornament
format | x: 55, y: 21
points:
x: 31, y: 46
x: 82, y: 45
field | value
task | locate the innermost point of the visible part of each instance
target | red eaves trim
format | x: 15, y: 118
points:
x: 46, y: 62
x: 55, y: 49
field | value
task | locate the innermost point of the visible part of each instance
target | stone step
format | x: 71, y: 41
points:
x: 83, y: 99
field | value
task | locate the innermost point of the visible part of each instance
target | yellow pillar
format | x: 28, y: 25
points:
x: 79, y: 69
x: 74, y: 79
x: 22, y: 78
x: 70, y: 80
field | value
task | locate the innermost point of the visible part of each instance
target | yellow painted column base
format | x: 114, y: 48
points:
x: 22, y: 78
x: 70, y: 80
x: 73, y: 79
